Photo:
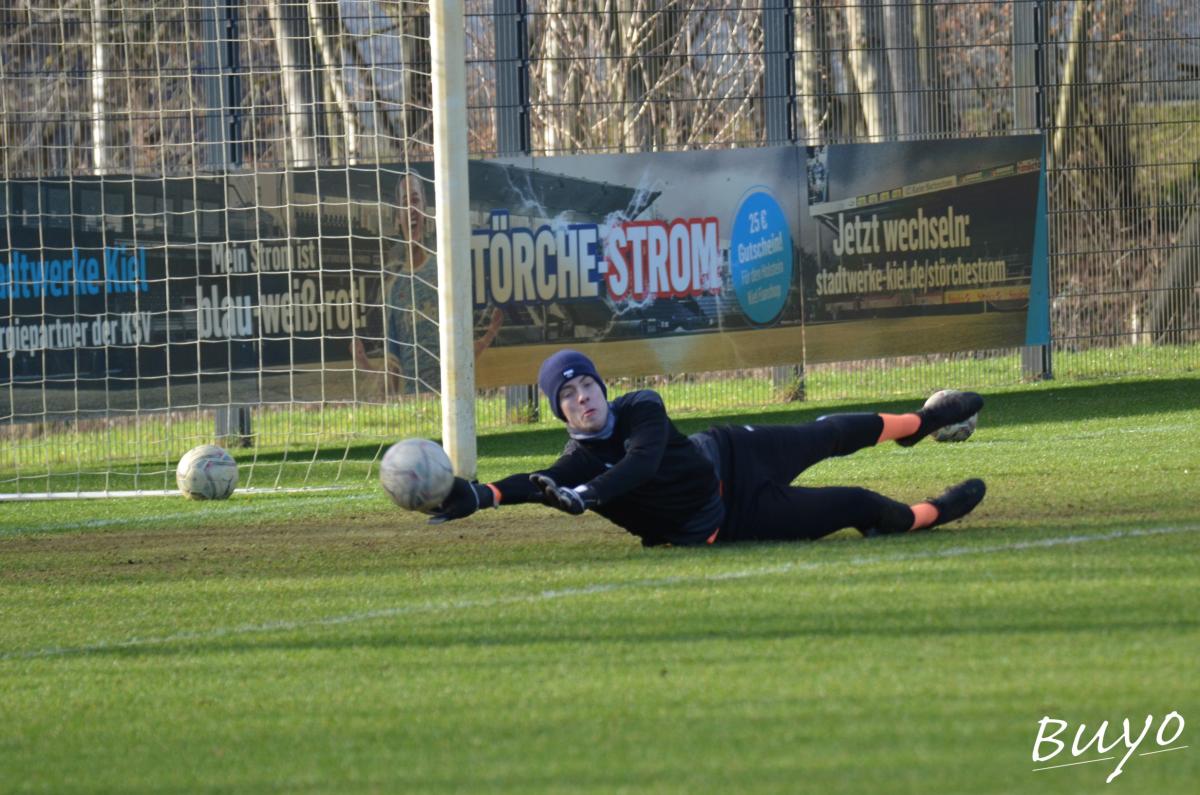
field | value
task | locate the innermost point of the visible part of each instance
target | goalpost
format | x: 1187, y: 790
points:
x: 447, y: 35
x: 230, y: 222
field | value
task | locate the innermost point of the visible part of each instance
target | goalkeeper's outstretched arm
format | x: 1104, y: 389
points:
x: 466, y: 498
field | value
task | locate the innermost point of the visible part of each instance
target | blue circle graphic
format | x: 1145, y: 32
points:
x: 760, y: 257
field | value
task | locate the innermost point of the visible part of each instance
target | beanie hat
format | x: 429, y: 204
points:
x: 561, y: 368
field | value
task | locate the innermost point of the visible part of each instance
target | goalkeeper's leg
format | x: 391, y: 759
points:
x: 779, y: 453
x: 796, y: 513
x: 782, y: 452
x: 791, y: 513
x: 908, y: 429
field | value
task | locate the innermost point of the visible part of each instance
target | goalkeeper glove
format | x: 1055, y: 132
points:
x: 572, y: 501
x: 464, y: 499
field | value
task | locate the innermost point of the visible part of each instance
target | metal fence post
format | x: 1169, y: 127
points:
x: 512, y: 74
x: 778, y: 55
x: 1027, y: 99
x: 512, y: 138
x: 214, y: 58
x: 231, y: 67
x: 779, y: 108
x: 221, y: 92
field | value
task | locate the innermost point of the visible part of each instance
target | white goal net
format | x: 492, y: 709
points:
x: 218, y: 225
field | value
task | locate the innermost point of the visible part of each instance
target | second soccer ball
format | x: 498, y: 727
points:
x: 206, y: 472
x: 958, y: 432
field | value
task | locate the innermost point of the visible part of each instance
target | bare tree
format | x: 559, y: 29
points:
x: 901, y: 43
x: 1174, y: 301
x: 1073, y: 75
x: 812, y: 70
x: 99, y: 33
x: 935, y: 104
x: 332, y: 82
x: 562, y: 128
x: 644, y: 74
x: 297, y: 100
x: 864, y: 30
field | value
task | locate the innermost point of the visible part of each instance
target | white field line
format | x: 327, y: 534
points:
x: 174, y: 493
x: 599, y: 588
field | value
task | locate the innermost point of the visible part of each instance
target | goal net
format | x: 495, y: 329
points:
x: 218, y: 226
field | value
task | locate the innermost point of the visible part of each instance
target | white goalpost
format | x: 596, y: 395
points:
x: 447, y: 35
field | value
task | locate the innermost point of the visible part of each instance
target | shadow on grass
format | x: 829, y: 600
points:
x: 1045, y: 404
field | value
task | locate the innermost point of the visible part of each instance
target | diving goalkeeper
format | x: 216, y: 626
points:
x: 626, y: 461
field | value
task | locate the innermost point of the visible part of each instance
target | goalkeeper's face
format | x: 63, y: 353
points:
x: 583, y: 404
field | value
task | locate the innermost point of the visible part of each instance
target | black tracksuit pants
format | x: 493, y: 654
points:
x: 758, y: 464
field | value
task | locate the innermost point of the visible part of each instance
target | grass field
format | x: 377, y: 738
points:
x: 325, y: 642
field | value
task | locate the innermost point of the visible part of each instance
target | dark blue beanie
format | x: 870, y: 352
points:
x: 561, y: 368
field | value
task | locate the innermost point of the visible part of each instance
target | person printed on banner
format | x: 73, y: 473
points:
x: 410, y: 299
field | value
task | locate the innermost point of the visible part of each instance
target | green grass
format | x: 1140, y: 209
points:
x: 326, y: 642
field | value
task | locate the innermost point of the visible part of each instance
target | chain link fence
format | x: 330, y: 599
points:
x: 1113, y: 85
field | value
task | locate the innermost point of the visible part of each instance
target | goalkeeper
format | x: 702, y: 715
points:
x: 627, y: 462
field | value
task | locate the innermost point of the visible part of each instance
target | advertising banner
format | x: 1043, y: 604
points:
x: 321, y: 285
x: 923, y: 247
x: 650, y: 263
x: 147, y: 294
x: 744, y: 258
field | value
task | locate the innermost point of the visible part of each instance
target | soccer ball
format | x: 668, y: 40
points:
x: 207, y: 472
x: 416, y: 474
x: 960, y: 431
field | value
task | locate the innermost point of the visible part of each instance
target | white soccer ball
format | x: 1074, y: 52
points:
x: 416, y: 474
x: 207, y: 472
x: 960, y: 431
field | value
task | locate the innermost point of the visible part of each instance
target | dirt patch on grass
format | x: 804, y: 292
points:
x: 350, y: 543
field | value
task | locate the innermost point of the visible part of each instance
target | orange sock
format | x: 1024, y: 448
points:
x: 924, y: 514
x: 897, y: 426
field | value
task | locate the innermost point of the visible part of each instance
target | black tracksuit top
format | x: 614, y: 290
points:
x: 646, y: 477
